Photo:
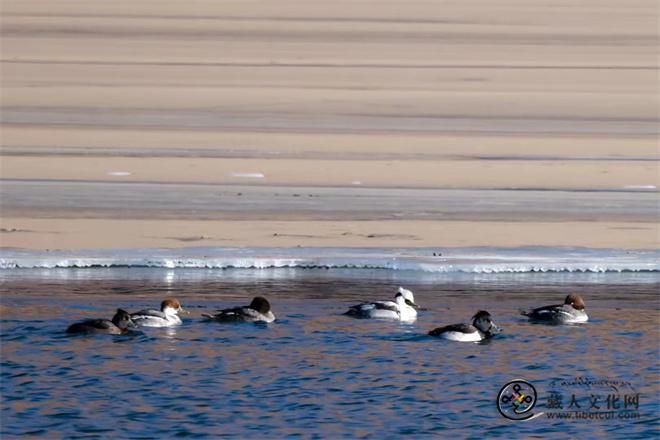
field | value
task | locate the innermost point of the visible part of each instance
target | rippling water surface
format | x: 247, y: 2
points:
x: 316, y: 373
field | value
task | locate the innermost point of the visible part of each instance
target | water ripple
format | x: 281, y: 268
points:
x: 314, y: 373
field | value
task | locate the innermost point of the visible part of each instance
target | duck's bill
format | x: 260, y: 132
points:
x: 496, y: 329
x: 412, y: 304
x: 182, y: 310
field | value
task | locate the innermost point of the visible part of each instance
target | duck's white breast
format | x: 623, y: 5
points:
x: 462, y: 337
x: 383, y: 314
x: 573, y: 317
x: 155, y: 321
x: 267, y: 317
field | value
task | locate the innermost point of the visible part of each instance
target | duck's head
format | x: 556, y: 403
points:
x: 405, y: 296
x: 575, y: 300
x: 485, y: 324
x: 171, y: 306
x: 122, y: 319
x: 260, y: 304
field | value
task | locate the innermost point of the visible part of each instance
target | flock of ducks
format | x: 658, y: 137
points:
x: 402, y: 308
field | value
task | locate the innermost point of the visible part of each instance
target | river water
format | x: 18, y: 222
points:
x: 315, y: 373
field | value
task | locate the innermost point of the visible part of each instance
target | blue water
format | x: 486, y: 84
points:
x: 315, y: 373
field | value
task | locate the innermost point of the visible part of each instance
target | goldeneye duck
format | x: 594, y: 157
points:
x: 571, y: 312
x: 482, y: 327
x: 119, y: 325
x: 401, y: 309
x: 167, y: 316
x: 257, y: 311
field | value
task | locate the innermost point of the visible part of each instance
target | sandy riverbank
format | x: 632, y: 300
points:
x: 104, y: 233
x: 328, y: 98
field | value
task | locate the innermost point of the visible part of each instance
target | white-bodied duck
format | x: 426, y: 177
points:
x: 401, y: 309
x: 165, y: 317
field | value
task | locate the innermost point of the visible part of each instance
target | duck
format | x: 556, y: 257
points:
x: 401, y: 309
x: 482, y: 328
x: 571, y: 312
x: 258, y: 311
x: 119, y: 325
x: 165, y: 317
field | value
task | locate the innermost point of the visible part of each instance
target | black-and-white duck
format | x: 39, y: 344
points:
x: 482, y: 327
x: 401, y: 309
x: 258, y: 311
x: 119, y: 325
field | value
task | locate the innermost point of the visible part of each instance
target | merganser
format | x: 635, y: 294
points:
x: 571, y: 312
x: 167, y: 316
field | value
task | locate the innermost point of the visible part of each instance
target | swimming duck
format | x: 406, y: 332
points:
x: 257, y: 311
x: 482, y: 327
x: 167, y: 316
x: 119, y: 325
x: 401, y: 309
x: 571, y: 312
